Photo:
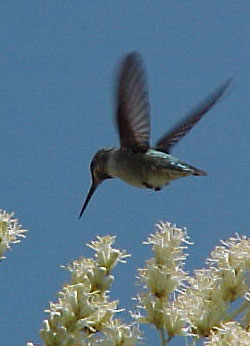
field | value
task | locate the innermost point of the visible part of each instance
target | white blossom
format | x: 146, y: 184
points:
x: 83, y: 314
x: 10, y: 232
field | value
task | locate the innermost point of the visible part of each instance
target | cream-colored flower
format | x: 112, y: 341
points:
x: 168, y: 244
x: 203, y: 302
x: 232, y: 262
x: 211, y: 291
x: 105, y: 255
x: 10, y: 231
x: 162, y: 276
x: 162, y: 314
x: 153, y: 309
x: 118, y: 334
x: 87, y: 271
x: 176, y: 304
x: 230, y: 333
x: 164, y: 273
x: 174, y: 320
x: 83, y: 314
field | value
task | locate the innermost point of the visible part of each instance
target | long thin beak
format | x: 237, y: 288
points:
x: 90, y: 193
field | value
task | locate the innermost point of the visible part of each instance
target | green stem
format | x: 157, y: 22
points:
x: 163, y: 339
x: 240, y: 309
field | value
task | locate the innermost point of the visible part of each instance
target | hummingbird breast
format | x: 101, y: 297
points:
x: 152, y: 169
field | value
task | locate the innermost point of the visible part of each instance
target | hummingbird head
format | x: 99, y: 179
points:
x: 99, y: 172
x: 99, y: 166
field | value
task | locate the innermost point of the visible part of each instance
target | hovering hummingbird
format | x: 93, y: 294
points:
x: 135, y: 161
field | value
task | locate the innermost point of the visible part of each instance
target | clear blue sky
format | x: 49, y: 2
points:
x: 57, y: 66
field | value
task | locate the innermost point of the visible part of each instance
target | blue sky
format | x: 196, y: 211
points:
x: 58, y: 64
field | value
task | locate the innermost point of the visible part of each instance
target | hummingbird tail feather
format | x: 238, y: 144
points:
x: 199, y: 172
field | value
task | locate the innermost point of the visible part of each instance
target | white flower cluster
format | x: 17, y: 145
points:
x: 229, y: 333
x: 10, y: 232
x: 161, y: 277
x: 201, y: 305
x: 83, y: 314
x: 208, y: 300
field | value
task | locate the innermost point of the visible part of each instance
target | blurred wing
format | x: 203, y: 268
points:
x: 172, y: 137
x: 132, y: 110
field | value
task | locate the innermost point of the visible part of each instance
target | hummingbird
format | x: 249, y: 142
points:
x: 136, y: 162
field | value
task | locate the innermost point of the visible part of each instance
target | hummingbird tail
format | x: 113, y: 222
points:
x: 199, y: 172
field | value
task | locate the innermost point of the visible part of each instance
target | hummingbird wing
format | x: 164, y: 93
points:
x: 132, y: 109
x: 172, y: 137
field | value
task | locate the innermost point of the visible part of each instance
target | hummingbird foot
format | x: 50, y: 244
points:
x: 148, y: 186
